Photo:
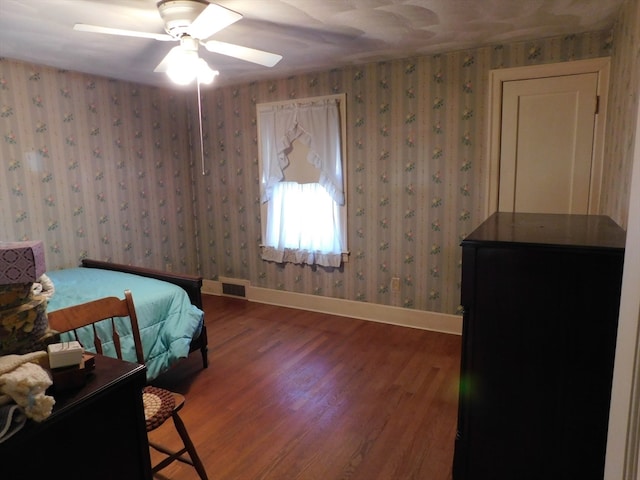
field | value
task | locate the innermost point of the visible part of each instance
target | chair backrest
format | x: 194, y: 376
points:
x: 71, y: 319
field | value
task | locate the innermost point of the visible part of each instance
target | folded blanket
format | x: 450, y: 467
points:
x: 27, y: 384
x: 12, y: 419
x: 13, y: 361
x: 43, y: 286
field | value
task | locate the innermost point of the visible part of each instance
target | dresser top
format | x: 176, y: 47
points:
x: 589, y: 231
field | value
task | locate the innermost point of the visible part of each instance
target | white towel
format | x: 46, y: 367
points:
x: 27, y: 384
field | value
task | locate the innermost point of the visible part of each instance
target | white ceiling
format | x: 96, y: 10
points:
x: 310, y: 34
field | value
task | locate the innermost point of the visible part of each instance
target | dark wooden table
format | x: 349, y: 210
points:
x: 95, y: 431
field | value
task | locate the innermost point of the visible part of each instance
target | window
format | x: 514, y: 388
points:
x: 302, y: 182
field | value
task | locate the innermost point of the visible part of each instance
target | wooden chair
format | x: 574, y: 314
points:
x: 159, y: 404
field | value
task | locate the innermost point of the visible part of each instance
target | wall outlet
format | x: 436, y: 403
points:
x: 395, y: 284
x: 168, y: 267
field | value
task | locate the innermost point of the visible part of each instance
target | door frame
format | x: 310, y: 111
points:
x: 600, y: 65
x: 622, y: 460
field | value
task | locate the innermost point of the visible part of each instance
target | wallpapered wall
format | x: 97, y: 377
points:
x: 105, y: 169
x: 416, y: 133
x: 623, y: 101
x: 95, y: 168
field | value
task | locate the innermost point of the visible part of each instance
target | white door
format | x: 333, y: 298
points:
x: 546, y: 146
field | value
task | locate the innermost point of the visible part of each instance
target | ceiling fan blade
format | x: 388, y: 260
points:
x: 82, y: 27
x: 212, y: 19
x: 164, y: 64
x: 243, y: 53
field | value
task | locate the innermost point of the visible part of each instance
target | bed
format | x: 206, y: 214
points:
x: 169, y: 306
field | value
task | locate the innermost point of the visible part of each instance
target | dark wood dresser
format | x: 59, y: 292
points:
x: 541, y: 295
x: 95, y: 432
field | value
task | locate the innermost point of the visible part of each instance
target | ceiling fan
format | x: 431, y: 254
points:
x: 192, y: 23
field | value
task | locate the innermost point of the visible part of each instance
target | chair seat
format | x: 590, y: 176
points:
x: 158, y: 406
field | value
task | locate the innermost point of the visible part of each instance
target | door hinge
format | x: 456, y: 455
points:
x: 597, y: 104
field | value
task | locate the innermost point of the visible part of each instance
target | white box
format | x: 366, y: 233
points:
x: 65, y: 354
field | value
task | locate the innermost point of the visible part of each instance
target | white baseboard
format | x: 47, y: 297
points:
x: 406, y: 317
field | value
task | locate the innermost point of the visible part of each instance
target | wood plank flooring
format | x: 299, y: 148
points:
x: 291, y: 394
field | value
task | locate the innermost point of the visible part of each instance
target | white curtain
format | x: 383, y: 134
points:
x: 303, y: 223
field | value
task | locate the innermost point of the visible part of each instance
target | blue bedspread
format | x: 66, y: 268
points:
x: 167, y: 319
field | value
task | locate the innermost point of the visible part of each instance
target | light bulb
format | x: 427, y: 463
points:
x: 183, y: 67
x: 205, y: 74
x: 180, y: 76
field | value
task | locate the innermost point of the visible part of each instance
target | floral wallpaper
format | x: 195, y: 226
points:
x: 620, y: 128
x: 416, y: 172
x: 112, y: 170
x: 94, y: 168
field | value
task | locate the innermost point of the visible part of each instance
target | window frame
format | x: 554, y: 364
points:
x: 341, y: 99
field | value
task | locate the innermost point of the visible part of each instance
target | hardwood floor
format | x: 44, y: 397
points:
x: 291, y: 394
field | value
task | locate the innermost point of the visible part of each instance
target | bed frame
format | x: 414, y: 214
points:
x: 189, y: 283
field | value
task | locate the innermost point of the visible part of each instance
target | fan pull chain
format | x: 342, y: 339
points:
x: 200, y: 122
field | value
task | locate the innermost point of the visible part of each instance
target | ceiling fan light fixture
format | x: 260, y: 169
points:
x: 180, y: 77
x: 205, y: 73
x: 192, y: 22
x: 183, y: 67
x: 186, y: 66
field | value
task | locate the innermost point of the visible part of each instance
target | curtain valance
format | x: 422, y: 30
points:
x: 317, y: 125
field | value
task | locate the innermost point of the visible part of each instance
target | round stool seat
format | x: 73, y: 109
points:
x: 158, y: 406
